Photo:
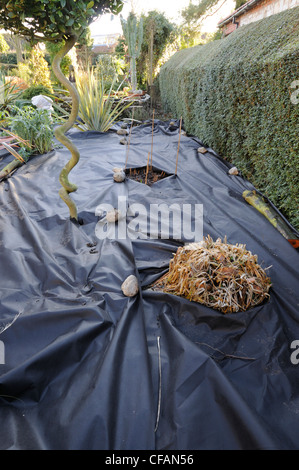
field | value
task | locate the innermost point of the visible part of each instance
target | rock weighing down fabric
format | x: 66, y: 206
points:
x: 86, y: 367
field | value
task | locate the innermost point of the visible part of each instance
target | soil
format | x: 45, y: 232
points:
x: 139, y: 175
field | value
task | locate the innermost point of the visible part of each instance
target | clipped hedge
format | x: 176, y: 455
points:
x: 8, y: 58
x: 235, y: 95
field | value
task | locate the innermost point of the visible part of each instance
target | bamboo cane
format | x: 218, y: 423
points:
x: 177, y: 156
x: 129, y: 140
x: 147, y: 167
x: 152, y: 139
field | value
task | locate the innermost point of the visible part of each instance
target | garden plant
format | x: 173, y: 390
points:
x: 133, y: 32
x: 33, y: 132
x: 98, y: 108
x: 54, y: 21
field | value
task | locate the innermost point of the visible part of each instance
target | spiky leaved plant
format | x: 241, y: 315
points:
x: 98, y: 108
x: 133, y: 32
x: 54, y: 21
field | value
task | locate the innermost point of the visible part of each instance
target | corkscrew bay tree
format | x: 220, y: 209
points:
x: 56, y: 21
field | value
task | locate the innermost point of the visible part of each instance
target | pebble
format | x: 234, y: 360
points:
x: 113, y: 216
x: 233, y: 171
x: 119, y: 176
x: 202, y: 150
x: 122, y: 132
x: 130, y: 286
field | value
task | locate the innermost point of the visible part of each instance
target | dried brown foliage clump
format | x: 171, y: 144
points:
x: 217, y: 274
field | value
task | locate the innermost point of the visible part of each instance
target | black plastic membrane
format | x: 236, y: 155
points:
x: 83, y: 366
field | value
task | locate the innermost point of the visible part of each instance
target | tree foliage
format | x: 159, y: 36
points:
x: 110, y: 69
x: 188, y: 35
x: 193, y: 13
x: 239, y: 3
x: 156, y: 24
x: 84, y: 48
x: 39, y: 69
x: 52, y: 20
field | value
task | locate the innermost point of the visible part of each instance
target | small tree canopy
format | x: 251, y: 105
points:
x: 195, y: 12
x: 156, y: 25
x: 53, y: 20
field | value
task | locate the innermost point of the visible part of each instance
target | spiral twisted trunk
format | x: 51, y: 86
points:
x: 60, y: 131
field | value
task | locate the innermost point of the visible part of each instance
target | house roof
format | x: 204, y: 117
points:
x: 103, y: 49
x: 239, y: 11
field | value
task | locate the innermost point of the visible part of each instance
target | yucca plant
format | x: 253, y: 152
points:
x: 99, y: 108
x: 9, y: 93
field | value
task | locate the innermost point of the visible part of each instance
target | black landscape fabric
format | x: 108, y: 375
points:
x: 85, y: 367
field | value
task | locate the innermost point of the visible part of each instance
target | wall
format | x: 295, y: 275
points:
x: 261, y: 10
x: 266, y: 8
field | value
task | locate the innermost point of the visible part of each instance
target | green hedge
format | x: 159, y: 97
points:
x: 11, y: 58
x: 235, y: 95
x: 8, y: 58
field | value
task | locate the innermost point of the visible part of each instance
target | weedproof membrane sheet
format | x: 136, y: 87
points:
x: 83, y: 367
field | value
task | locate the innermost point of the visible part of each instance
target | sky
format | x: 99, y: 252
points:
x: 171, y: 9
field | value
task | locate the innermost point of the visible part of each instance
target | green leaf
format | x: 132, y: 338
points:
x: 70, y: 22
x: 63, y: 3
x: 89, y: 5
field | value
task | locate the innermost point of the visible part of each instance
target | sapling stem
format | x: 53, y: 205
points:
x: 152, y: 139
x: 129, y: 140
x: 147, y: 167
x: 177, y: 156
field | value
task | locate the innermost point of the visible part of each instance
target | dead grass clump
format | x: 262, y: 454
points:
x: 219, y: 275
